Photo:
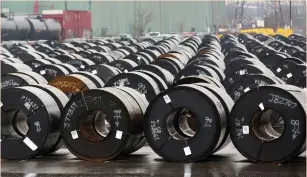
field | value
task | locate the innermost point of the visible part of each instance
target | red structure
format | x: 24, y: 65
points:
x: 36, y: 6
x: 75, y: 23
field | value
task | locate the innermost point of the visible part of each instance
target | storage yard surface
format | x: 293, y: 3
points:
x: 226, y: 163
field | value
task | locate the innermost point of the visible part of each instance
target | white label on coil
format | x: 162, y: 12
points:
x: 245, y: 130
x: 30, y: 144
x: 278, y: 70
x: 289, y: 75
x: 27, y: 105
x: 125, y: 71
x: 247, y: 89
x: 261, y: 106
x: 119, y: 134
x: 82, y: 66
x: 167, y: 99
x: 74, y: 134
x: 1, y: 104
x: 94, y: 71
x: 242, y: 72
x: 42, y: 72
x: 187, y: 151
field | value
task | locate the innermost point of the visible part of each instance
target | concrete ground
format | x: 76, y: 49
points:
x: 226, y: 163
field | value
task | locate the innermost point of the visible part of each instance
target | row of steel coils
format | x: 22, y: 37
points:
x: 175, y: 94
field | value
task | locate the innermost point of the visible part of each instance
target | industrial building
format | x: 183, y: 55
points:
x: 116, y: 17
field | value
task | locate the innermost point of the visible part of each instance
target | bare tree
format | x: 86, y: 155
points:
x: 281, y: 14
x: 276, y: 14
x: 231, y: 12
x: 242, y: 11
x: 142, y: 19
x: 272, y: 19
x: 238, y: 12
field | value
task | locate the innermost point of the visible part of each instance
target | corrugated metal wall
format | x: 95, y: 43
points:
x: 118, y: 16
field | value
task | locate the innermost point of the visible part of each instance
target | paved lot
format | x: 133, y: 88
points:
x: 226, y: 163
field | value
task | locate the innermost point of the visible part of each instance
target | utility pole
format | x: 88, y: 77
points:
x: 89, y: 5
x: 160, y: 15
x: 281, y: 16
x: 133, y: 27
x: 236, y: 11
x: 276, y: 15
x: 290, y: 13
x: 65, y: 5
x: 217, y: 23
x: 208, y: 28
x: 242, y: 11
x: 134, y: 11
x: 257, y: 8
x: 212, y: 14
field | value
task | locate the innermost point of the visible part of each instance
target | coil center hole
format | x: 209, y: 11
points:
x: 94, y: 126
x: 268, y: 125
x: 182, y: 124
x: 14, y: 124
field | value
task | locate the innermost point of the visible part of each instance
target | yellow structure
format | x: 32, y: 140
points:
x: 268, y: 31
x: 284, y: 32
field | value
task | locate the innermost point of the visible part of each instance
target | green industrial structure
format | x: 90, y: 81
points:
x: 115, y: 17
